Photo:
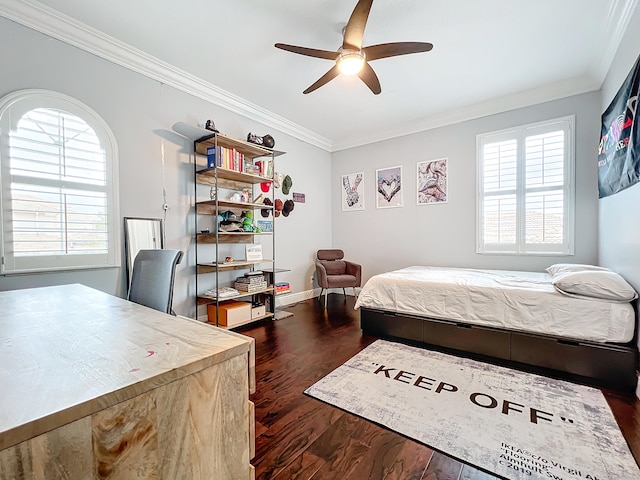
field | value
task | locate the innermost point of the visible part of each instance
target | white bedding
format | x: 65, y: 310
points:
x: 524, y: 301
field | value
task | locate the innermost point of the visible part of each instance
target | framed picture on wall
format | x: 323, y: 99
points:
x: 389, y: 187
x: 432, y: 183
x: 352, y: 192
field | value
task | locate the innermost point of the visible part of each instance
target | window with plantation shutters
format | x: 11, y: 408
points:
x: 58, y: 168
x: 525, y: 189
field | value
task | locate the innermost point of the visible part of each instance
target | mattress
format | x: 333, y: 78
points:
x: 522, y: 301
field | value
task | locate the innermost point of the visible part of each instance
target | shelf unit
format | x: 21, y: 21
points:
x: 271, y: 277
x: 221, y: 179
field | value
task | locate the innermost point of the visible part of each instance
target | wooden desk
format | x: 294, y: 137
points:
x: 94, y: 386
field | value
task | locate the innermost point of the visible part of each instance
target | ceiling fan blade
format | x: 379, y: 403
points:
x: 385, y: 50
x: 310, y: 52
x: 354, y: 31
x: 326, y: 78
x: 369, y: 77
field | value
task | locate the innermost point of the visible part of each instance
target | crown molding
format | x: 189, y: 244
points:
x: 41, y: 18
x: 48, y: 21
x: 547, y: 93
x: 616, y: 24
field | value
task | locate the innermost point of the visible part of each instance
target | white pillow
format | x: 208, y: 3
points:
x: 560, y: 268
x: 603, y: 284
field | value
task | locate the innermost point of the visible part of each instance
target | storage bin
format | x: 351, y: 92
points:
x: 230, y: 313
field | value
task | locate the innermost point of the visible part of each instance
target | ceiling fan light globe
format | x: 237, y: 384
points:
x: 350, y: 62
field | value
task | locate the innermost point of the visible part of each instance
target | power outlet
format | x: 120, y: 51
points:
x: 311, y: 279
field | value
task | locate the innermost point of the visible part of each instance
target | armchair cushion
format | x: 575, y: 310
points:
x: 336, y: 267
x: 341, y: 281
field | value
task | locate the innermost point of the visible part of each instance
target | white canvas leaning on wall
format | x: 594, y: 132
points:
x: 352, y: 192
x: 432, y: 182
x: 389, y: 187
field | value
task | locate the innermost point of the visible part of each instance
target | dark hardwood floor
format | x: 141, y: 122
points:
x: 299, y: 437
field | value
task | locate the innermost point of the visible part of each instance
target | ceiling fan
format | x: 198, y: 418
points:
x: 352, y: 58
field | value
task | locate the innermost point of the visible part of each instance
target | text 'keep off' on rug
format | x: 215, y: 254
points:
x: 513, y: 424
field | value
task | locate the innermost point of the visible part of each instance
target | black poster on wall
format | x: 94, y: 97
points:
x: 619, y: 150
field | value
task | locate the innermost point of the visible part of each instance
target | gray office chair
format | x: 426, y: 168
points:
x: 152, y: 279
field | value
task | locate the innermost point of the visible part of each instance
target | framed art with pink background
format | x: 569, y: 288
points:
x: 389, y: 187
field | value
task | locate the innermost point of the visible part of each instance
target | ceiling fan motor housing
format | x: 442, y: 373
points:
x: 350, y: 61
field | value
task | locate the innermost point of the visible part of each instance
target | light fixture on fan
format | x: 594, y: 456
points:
x: 353, y: 58
x: 351, y: 62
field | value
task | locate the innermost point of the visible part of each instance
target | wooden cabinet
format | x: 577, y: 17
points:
x: 96, y: 387
x: 224, y: 186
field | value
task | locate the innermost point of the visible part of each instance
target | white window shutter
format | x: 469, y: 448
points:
x: 525, y: 185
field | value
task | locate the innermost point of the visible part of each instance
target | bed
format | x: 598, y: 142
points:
x: 574, y: 321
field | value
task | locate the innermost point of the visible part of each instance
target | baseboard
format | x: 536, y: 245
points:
x: 285, y: 299
x: 290, y: 298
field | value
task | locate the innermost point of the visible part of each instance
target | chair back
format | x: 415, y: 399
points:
x: 152, y: 279
x: 332, y: 261
x: 330, y: 254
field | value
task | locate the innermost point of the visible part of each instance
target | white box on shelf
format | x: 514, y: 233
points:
x: 259, y: 311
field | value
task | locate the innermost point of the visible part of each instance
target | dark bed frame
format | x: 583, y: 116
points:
x: 601, y: 364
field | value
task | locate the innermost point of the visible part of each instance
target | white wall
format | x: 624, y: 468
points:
x: 445, y: 234
x: 619, y: 226
x: 141, y: 112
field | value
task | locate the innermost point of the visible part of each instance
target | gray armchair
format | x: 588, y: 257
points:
x: 334, y: 272
x: 152, y: 278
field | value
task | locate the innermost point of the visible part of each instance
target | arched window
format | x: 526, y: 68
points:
x: 58, y: 170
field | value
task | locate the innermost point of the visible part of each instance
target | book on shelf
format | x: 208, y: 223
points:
x: 282, y: 287
x: 214, y: 155
x: 251, y: 168
x: 222, y: 292
x: 250, y: 287
x: 265, y: 167
x: 228, y: 158
x: 252, y: 279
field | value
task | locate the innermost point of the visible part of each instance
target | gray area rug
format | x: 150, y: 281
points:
x: 514, y: 424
